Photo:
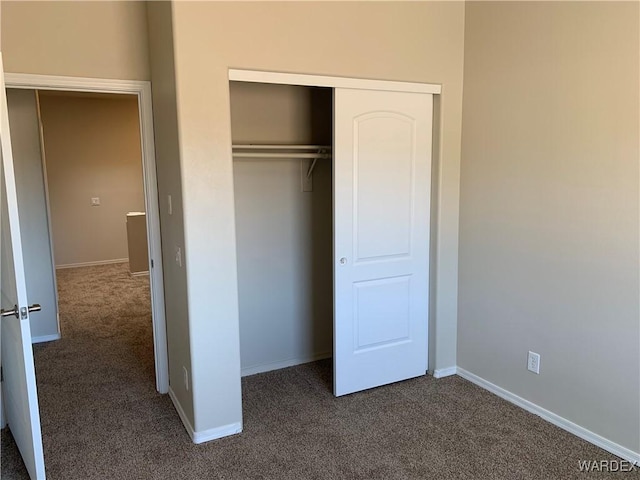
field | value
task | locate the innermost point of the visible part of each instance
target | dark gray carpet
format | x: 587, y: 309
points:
x: 102, y: 419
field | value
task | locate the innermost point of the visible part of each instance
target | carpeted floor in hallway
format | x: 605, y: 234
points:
x: 102, y: 419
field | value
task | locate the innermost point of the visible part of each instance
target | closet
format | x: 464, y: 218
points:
x: 283, y: 223
x: 332, y: 184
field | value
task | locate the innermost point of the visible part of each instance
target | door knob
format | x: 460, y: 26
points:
x: 20, y: 313
x: 343, y: 261
x: 8, y: 313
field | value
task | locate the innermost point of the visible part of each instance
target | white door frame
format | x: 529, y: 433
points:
x: 260, y: 76
x: 142, y: 90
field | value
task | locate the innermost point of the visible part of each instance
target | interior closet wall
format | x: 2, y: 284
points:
x: 284, y: 235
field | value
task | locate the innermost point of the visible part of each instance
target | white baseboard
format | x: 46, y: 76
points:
x: 444, y: 372
x: 216, y: 433
x: 139, y: 274
x: 92, y: 264
x: 291, y: 362
x: 46, y: 338
x: 206, y: 435
x: 557, y: 420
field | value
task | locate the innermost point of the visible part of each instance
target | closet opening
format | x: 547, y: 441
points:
x: 282, y: 169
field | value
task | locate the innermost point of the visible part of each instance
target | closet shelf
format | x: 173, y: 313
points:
x: 254, y: 146
x: 280, y: 155
x: 312, y: 152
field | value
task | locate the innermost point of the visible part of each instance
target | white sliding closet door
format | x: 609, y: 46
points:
x: 382, y: 178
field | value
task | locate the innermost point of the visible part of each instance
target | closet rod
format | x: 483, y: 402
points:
x: 281, y: 147
x: 281, y: 155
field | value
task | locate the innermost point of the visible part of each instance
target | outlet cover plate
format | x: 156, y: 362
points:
x: 533, y: 362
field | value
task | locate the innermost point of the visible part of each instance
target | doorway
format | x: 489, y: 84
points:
x: 140, y: 91
x: 94, y: 193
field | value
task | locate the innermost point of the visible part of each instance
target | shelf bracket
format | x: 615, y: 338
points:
x: 322, y: 153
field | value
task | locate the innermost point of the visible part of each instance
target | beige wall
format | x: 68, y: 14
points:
x: 549, y: 208
x: 92, y: 149
x: 170, y: 180
x: 355, y: 39
x: 283, y: 235
x: 83, y: 39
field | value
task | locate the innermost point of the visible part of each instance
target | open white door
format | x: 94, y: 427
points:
x: 19, y: 395
x: 382, y: 178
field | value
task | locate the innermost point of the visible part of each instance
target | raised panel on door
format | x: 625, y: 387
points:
x: 382, y: 178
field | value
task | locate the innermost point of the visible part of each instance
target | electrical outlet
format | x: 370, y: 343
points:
x: 95, y: 201
x: 185, y: 378
x: 533, y: 362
